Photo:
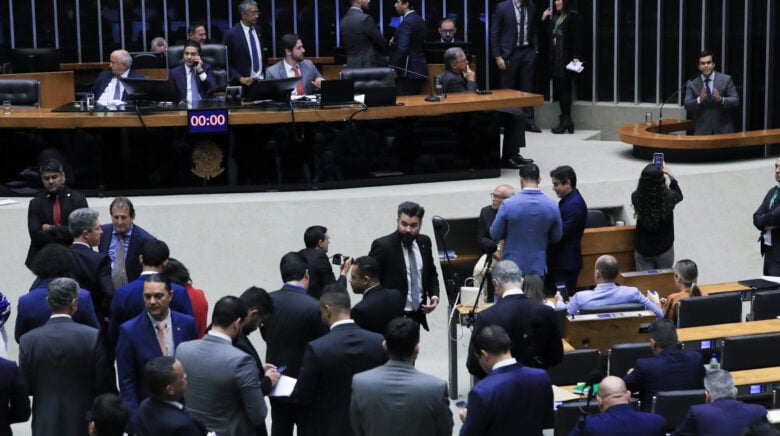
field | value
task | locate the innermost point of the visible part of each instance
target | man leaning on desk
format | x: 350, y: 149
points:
x: 193, y: 79
x: 107, y: 88
x: 294, y: 65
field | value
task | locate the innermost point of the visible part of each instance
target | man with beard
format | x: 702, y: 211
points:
x: 294, y: 65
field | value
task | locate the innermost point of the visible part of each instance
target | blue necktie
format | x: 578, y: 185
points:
x: 194, y: 85
x: 117, y: 95
x: 709, y: 90
x: 253, y: 47
x: 414, y: 278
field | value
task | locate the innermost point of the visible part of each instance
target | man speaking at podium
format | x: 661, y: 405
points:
x: 710, y: 97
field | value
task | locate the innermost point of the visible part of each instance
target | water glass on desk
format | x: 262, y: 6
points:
x: 90, y: 99
x: 6, y: 107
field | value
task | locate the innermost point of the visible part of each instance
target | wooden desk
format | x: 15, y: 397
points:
x: 661, y: 280
x: 596, y: 331
x: 56, y: 87
x: 657, y: 136
x: 615, y: 240
x: 760, y: 381
x: 723, y: 288
x: 719, y: 331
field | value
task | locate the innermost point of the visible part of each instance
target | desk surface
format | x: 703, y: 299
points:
x: 756, y: 376
x: 721, y: 288
x: 717, y: 331
x: 642, y: 135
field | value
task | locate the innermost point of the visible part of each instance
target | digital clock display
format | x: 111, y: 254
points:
x: 208, y: 121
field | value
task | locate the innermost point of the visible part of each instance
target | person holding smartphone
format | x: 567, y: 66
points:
x: 193, y: 79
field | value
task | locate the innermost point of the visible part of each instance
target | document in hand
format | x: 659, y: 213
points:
x: 576, y: 67
x: 284, y: 387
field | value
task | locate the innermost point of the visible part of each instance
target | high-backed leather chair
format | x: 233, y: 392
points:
x: 622, y: 357
x: 21, y: 92
x: 674, y: 405
x: 212, y: 54
x: 575, y: 367
x: 369, y: 77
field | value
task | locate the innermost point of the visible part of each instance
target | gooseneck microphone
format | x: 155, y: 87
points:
x: 661, y: 110
x: 432, y: 97
x: 594, y: 378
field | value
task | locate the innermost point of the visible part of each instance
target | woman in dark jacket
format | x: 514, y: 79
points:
x: 563, y: 27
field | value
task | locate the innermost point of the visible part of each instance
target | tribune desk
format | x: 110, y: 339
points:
x: 709, y: 339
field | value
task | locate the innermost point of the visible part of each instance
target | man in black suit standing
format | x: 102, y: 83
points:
x: 324, y: 385
x: 244, y: 42
x: 14, y: 402
x: 361, y: 38
x: 93, y: 269
x: 132, y: 237
x: 317, y: 243
x: 408, y: 55
x: 405, y: 259
x: 767, y: 220
x: 379, y: 305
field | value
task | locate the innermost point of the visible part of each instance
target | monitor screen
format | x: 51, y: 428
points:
x: 35, y: 60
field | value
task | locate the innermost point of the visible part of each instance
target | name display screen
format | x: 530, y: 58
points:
x: 207, y: 121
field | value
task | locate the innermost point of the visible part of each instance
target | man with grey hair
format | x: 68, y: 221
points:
x: 107, y: 87
x: 158, y: 44
x: 723, y: 414
x: 62, y: 363
x: 92, y: 270
x: 244, y: 42
x: 532, y: 326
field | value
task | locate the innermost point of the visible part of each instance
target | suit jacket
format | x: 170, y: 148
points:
x: 40, y: 212
x: 527, y: 222
x: 157, y: 417
x: 623, y: 420
x: 486, y: 217
x: 33, y: 311
x: 138, y: 238
x: 14, y: 402
x: 324, y: 384
x: 765, y: 217
x: 453, y: 83
x: 105, y: 77
x: 294, y: 323
x: 567, y: 46
x: 722, y: 417
x: 566, y: 254
x: 378, y: 307
x: 228, y: 401
x: 309, y: 73
x: 320, y: 270
x: 388, y: 251
x: 670, y: 370
x: 396, y: 399
x: 239, y: 54
x: 409, y: 42
x: 503, y: 30
x: 362, y: 40
x: 93, y: 272
x: 138, y: 344
x: 712, y: 118
x: 513, y: 400
x: 62, y: 363
x: 178, y: 80
x: 532, y: 326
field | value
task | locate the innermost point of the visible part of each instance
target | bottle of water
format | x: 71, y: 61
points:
x: 714, y: 363
x: 438, y: 88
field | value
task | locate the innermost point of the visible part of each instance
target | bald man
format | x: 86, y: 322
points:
x: 107, y: 87
x: 617, y: 416
x: 488, y: 214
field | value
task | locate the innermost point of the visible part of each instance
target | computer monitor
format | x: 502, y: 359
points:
x: 434, y: 51
x: 149, y: 90
x: 272, y: 89
x: 149, y: 60
x: 35, y: 60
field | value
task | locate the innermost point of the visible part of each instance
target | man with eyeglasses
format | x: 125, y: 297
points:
x: 447, y: 30
x: 488, y: 214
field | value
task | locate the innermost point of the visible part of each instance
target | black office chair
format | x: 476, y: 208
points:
x: 149, y: 60
x: 622, y: 357
x: 710, y: 309
x: 217, y: 56
x: 175, y: 55
x: 21, y: 92
x: 568, y: 414
x: 750, y: 352
x: 674, y: 405
x: 369, y: 77
x: 766, y: 305
x: 575, y: 367
x: 596, y: 218
x: 613, y: 308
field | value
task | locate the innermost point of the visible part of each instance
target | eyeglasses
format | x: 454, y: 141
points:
x: 494, y: 196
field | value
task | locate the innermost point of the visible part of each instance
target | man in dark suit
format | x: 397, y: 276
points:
x: 361, y: 38
x: 107, y: 87
x: 108, y: 416
x: 93, y: 269
x: 325, y: 383
x: 294, y: 65
x: 409, y: 41
x: 512, y: 399
x: 193, y: 79
x: 244, y: 42
x: 532, y: 326
x: 294, y: 322
x: 710, y: 98
x: 317, y: 243
x: 132, y: 237
x: 406, y: 263
x: 156, y: 331
x: 48, y: 212
x: 14, y: 402
x: 379, y: 305
x: 488, y: 214
x: 670, y: 370
x: 62, y: 365
x: 723, y: 414
x: 564, y: 258
x: 163, y: 412
x: 767, y: 220
x: 617, y: 415
x: 514, y: 41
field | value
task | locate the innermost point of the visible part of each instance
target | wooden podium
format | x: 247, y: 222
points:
x: 603, y: 330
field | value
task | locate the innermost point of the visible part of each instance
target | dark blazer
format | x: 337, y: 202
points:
x: 320, y: 272
x: 33, y: 311
x: 239, y: 54
x: 765, y: 217
x: 722, y: 417
x: 378, y: 307
x: 503, y: 30
x: 532, y: 326
x: 566, y: 254
x: 93, y: 272
x: 138, y: 238
x: 409, y: 42
x: 40, y: 212
x: 568, y: 43
x: 670, y: 370
x: 324, y: 385
x: 309, y: 73
x: 453, y: 83
x: 652, y: 242
x: 157, y: 417
x: 294, y: 323
x: 712, y: 118
x: 486, y: 217
x: 362, y: 40
x: 103, y: 79
x: 513, y: 400
x: 623, y: 420
x: 388, y: 251
x: 14, y: 402
x: 138, y: 344
x: 178, y: 80
x: 62, y: 363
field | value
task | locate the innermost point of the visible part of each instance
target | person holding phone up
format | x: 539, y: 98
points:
x: 193, y: 79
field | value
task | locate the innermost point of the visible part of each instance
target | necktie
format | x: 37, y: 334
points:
x: 56, y: 212
x: 117, y: 94
x: 161, y: 338
x: 299, y: 89
x: 414, y: 278
x: 521, y: 36
x: 119, y: 275
x: 253, y: 47
x: 194, y: 85
x: 709, y: 90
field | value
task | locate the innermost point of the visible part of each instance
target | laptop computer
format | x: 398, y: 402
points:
x: 337, y: 92
x: 380, y: 96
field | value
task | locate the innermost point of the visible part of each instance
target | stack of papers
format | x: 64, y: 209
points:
x: 576, y: 67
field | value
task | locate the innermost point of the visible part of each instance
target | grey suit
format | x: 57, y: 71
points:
x: 395, y: 399
x: 362, y: 40
x: 308, y: 74
x: 223, y: 389
x: 712, y: 118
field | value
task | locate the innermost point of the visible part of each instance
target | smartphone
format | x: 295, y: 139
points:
x: 658, y: 160
x: 280, y: 369
x: 337, y: 259
x: 461, y: 404
x: 561, y: 287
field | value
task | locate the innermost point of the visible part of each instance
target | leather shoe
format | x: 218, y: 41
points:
x: 531, y: 127
x: 515, y: 162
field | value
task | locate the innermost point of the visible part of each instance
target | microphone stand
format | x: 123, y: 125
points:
x: 585, y: 413
x: 661, y: 110
x: 431, y: 98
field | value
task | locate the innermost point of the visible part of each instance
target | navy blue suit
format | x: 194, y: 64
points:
x: 623, y: 420
x: 513, y: 400
x: 14, y: 402
x: 408, y: 54
x: 178, y: 80
x: 670, y: 370
x: 157, y: 417
x: 722, y: 417
x: 239, y: 55
x: 33, y: 311
x: 105, y: 77
x: 93, y: 272
x: 564, y: 258
x: 138, y: 238
x: 378, y: 307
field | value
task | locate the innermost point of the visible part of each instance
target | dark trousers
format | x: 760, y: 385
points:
x: 284, y: 416
x: 513, y: 122
x: 772, y: 259
x: 562, y: 88
x: 519, y: 74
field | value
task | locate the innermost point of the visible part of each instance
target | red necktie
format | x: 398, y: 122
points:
x: 57, y: 212
x: 299, y: 89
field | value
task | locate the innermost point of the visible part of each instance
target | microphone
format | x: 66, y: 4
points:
x: 594, y: 378
x: 661, y: 110
x: 432, y: 97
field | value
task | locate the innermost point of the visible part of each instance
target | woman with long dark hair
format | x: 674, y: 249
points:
x: 654, y: 203
x: 563, y: 28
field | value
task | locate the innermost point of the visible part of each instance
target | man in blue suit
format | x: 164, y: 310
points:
x: 671, y: 369
x: 564, y: 258
x: 513, y: 399
x: 14, y: 402
x: 107, y: 87
x: 156, y: 331
x: 409, y: 40
x: 723, y: 414
x: 193, y: 79
x: 528, y: 223
x: 294, y: 65
x: 617, y: 416
x: 132, y: 237
x: 244, y: 42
